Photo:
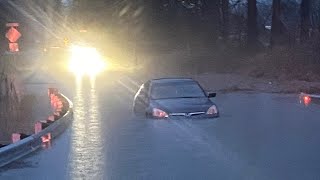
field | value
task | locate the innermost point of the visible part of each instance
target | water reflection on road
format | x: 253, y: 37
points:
x: 86, y: 156
x: 258, y: 136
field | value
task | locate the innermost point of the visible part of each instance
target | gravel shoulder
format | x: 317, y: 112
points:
x: 226, y: 82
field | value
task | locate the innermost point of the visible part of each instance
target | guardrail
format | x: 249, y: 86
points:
x: 45, y: 131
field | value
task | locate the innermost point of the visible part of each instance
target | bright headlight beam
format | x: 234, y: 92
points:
x: 85, y: 61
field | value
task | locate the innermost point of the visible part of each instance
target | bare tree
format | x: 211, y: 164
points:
x: 252, y: 24
x: 305, y: 20
x: 224, y: 18
x: 276, y: 23
x: 210, y: 14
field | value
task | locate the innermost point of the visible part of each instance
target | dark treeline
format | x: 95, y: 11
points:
x: 283, y: 21
x: 213, y: 25
x: 246, y: 23
x: 287, y: 31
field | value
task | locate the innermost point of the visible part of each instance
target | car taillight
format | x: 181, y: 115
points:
x: 212, y: 110
x: 159, y: 113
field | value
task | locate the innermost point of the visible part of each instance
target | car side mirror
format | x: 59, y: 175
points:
x: 212, y: 94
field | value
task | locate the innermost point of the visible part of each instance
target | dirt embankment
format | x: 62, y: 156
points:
x: 224, y: 82
x: 275, y: 71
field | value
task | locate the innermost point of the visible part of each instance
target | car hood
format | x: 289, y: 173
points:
x: 183, y: 105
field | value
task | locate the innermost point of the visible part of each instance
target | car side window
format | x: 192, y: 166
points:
x: 142, y: 93
x: 146, y: 89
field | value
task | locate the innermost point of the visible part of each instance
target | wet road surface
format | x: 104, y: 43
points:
x: 258, y: 136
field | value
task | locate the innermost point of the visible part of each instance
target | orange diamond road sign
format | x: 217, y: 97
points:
x: 13, y: 35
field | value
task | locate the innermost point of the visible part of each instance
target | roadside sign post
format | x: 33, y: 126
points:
x: 13, y: 35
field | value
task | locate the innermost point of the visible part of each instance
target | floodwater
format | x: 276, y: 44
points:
x: 258, y: 136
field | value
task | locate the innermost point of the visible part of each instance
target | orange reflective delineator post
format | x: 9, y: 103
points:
x: 46, y: 138
x: 52, y: 91
x: 54, y: 100
x: 58, y: 105
x: 37, y: 127
x: 307, y: 100
x: 15, y: 137
x: 51, y: 118
x: 57, y: 102
x: 56, y: 113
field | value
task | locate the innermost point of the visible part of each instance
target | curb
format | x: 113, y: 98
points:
x: 62, y: 117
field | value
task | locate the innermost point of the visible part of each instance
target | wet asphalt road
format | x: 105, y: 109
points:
x: 258, y: 136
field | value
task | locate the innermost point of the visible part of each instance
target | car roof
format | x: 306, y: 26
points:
x: 172, y: 80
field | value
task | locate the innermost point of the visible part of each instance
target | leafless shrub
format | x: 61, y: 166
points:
x: 9, y: 98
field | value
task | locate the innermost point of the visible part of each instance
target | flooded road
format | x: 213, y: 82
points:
x: 258, y: 136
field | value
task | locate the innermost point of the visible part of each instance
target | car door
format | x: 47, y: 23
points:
x: 141, y: 101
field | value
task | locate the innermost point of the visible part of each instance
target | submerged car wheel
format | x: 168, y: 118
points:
x: 140, y: 114
x: 136, y: 112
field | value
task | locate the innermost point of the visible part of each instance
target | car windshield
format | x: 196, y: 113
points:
x: 176, y: 90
